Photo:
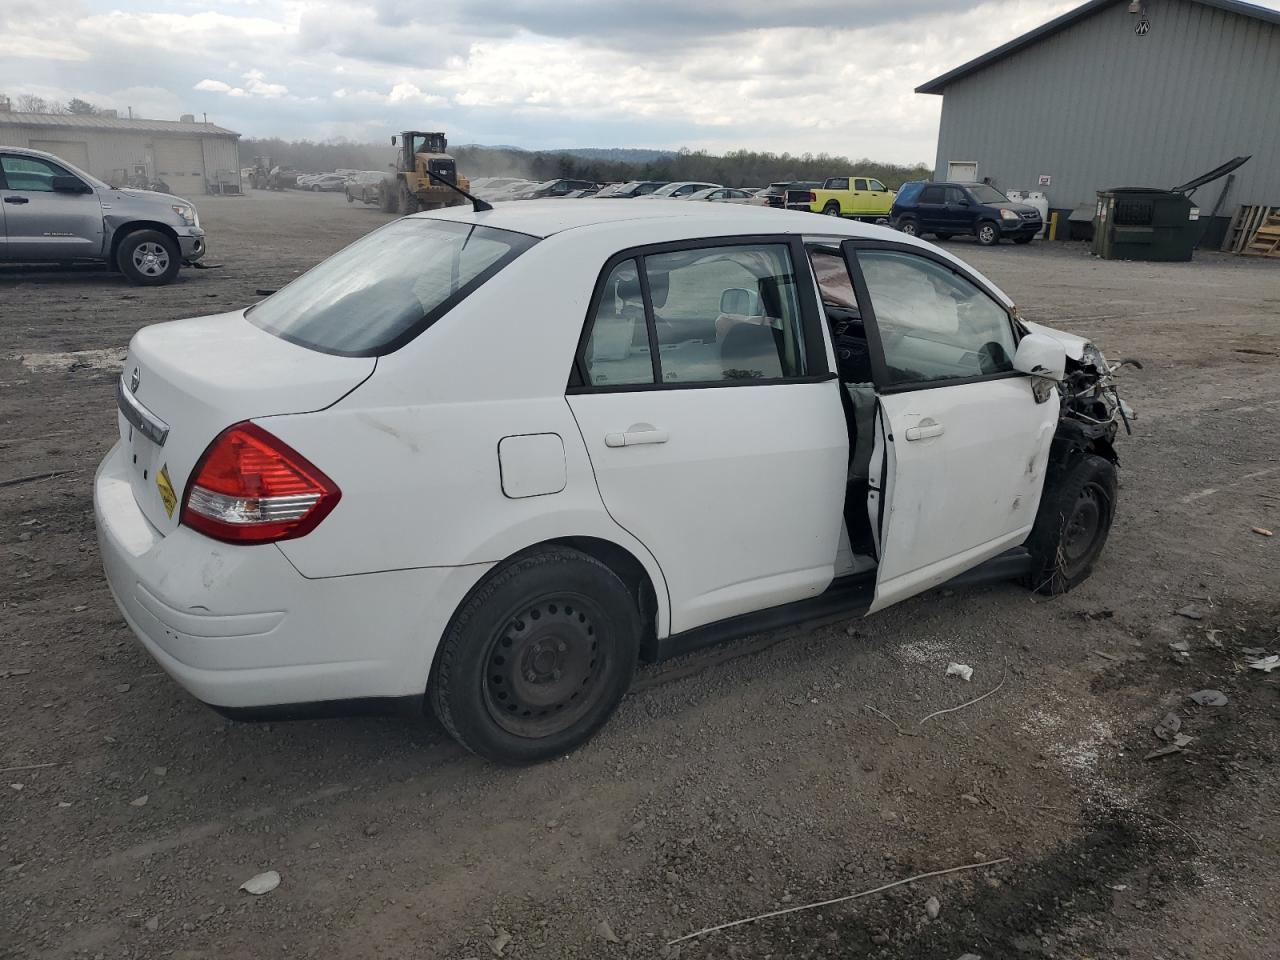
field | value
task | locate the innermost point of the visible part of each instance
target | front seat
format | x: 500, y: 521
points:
x: 749, y: 351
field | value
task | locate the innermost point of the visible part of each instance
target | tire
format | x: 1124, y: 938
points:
x: 988, y: 233
x: 350, y: 198
x: 315, y: 189
x: 909, y: 226
x: 1023, y: 240
x: 407, y: 203
x: 537, y: 658
x: 386, y: 199
x: 832, y: 209
x: 149, y: 258
x: 1071, y: 527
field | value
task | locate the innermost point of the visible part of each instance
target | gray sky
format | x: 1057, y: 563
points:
x: 805, y: 75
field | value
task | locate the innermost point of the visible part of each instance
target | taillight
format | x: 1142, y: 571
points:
x: 813, y: 197
x: 251, y: 487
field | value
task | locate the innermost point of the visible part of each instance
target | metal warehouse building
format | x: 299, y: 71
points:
x: 1149, y: 93
x: 191, y: 158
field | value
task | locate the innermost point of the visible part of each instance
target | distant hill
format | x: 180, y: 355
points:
x: 613, y: 154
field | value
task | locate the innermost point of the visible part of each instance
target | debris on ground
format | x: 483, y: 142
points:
x: 1265, y: 664
x: 1167, y: 727
x: 140, y: 801
x: 1210, y: 698
x: 932, y: 908
x: 605, y: 932
x: 961, y: 670
x: 499, y: 943
x: 1263, y: 532
x: 262, y: 883
x: 1159, y: 752
x: 1191, y: 612
x: 1181, y: 647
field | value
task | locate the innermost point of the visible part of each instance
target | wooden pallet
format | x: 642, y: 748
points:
x: 1265, y: 241
x: 1245, y: 225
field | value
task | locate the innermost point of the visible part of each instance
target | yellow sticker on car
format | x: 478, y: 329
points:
x: 165, y: 485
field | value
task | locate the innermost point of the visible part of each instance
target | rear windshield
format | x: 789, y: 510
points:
x: 382, y: 291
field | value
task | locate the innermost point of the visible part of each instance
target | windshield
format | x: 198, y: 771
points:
x: 668, y: 190
x: 987, y: 194
x: 386, y: 288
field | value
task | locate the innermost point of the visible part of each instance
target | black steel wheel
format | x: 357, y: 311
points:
x: 542, y: 668
x: 1072, y: 525
x: 537, y: 658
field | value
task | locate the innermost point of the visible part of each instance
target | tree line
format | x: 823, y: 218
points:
x: 738, y: 168
x: 30, y: 103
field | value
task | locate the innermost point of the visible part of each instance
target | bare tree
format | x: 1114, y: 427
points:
x: 30, y: 103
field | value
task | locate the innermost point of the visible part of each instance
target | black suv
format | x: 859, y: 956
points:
x: 947, y: 209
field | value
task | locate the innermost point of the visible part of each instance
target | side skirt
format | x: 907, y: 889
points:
x: 846, y: 597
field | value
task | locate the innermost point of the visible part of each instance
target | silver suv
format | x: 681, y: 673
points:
x: 52, y: 211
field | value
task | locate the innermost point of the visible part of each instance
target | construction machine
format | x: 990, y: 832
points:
x: 421, y: 162
x: 260, y: 179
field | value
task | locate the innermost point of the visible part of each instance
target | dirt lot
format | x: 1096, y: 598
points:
x: 749, y: 778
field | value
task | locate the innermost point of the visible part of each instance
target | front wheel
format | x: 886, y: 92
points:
x: 1071, y: 527
x: 537, y: 658
x: 988, y: 234
x: 908, y: 226
x: 148, y: 258
x: 350, y: 198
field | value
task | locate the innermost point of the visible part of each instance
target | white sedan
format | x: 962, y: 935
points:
x: 488, y: 460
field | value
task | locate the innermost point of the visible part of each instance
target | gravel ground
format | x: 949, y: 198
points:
x: 749, y: 778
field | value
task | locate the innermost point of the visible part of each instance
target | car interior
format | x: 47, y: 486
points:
x: 857, y: 396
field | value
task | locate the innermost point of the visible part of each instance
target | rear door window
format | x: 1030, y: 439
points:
x: 859, y: 184
x: 382, y: 291
x: 932, y: 194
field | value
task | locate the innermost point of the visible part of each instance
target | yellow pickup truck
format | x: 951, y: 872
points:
x: 858, y: 198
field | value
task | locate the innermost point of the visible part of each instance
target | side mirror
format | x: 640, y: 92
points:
x: 739, y: 302
x: 69, y: 185
x: 1040, y: 355
x: 393, y: 141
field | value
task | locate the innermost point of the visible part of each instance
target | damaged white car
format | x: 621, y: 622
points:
x: 489, y: 459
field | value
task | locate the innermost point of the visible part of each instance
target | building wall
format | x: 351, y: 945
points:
x: 1097, y: 106
x: 112, y: 151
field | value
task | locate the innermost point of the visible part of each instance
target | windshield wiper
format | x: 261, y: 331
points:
x: 477, y: 204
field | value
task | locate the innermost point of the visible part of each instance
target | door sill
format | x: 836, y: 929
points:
x: 846, y: 597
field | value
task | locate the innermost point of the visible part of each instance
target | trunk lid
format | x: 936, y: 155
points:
x: 185, y: 382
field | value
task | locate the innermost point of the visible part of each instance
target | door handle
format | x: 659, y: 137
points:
x: 634, y: 435
x: 928, y: 428
x: 16, y: 200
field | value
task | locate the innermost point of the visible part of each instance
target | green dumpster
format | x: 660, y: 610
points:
x: 1145, y: 223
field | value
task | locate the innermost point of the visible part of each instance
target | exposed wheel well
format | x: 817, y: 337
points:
x: 133, y: 226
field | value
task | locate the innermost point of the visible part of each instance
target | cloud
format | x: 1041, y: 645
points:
x: 832, y: 76
x: 255, y: 86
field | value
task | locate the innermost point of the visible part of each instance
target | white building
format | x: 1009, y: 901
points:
x: 190, y: 158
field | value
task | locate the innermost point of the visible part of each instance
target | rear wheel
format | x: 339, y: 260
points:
x: 408, y: 203
x: 537, y: 658
x: 832, y: 209
x: 909, y: 226
x: 988, y: 233
x: 350, y: 198
x: 148, y: 258
x: 387, y: 198
x: 1072, y: 525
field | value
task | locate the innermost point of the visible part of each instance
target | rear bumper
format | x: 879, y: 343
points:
x: 241, y: 629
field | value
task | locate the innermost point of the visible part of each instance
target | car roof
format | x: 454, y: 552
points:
x: 543, y: 218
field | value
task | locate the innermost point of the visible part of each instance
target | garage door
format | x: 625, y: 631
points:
x: 75, y: 152
x: 180, y: 164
